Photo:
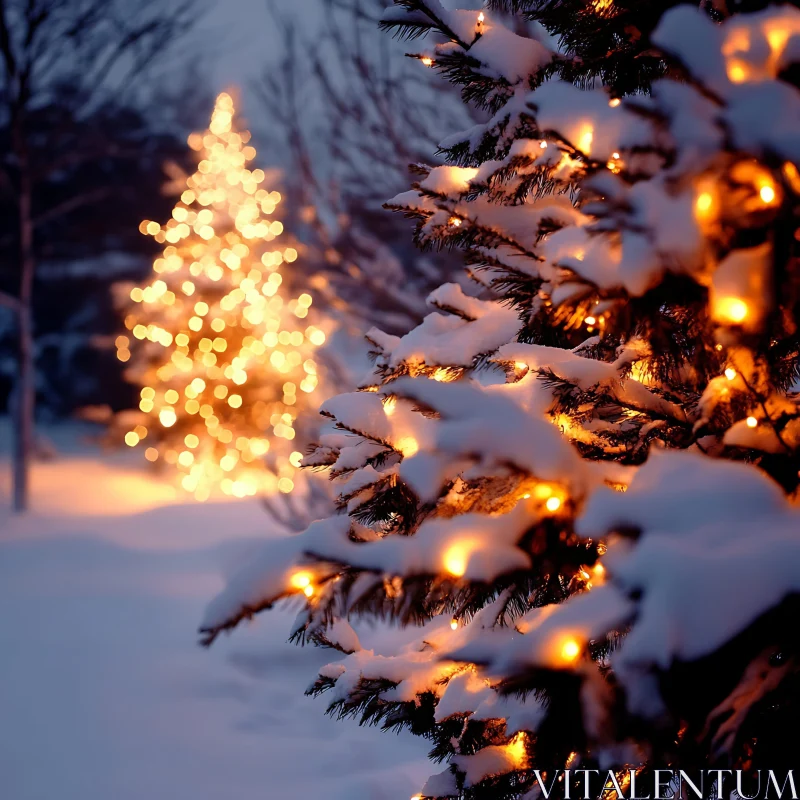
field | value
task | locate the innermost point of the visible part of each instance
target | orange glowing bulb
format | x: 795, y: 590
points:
x: 767, y: 194
x: 734, y: 309
x: 704, y: 202
x: 301, y: 580
x: 570, y: 650
x: 455, y: 561
x: 552, y: 504
x: 737, y: 73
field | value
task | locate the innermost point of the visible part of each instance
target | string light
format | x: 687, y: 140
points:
x: 570, y: 650
x: 751, y: 422
x: 517, y: 750
x: 614, y: 102
x: 552, y: 504
x: 454, y: 624
x: 455, y: 560
x: 792, y: 174
x: 730, y: 373
x: 224, y: 356
x: 442, y: 375
x: 732, y: 309
x: 300, y: 580
x: 389, y: 406
x: 704, y: 204
x: 614, y: 164
x: 407, y: 445
x: 455, y: 222
x: 585, y: 139
x: 427, y: 61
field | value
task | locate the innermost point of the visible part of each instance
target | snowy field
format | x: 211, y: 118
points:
x: 104, y: 692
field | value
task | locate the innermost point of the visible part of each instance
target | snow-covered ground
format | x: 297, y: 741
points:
x: 104, y: 692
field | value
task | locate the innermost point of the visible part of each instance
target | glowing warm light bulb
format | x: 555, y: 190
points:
x: 427, y: 61
x: 408, y: 446
x: 614, y: 102
x: 300, y: 580
x: 167, y: 417
x: 598, y: 570
x: 543, y: 145
x: 517, y: 750
x: 730, y: 373
x: 455, y: 222
x: 389, y: 406
x: 590, y: 320
x: 570, y: 650
x: 792, y: 175
x: 704, y: 203
x: 733, y: 309
x: 585, y: 139
x: 455, y: 560
x: 751, y: 422
x: 737, y: 73
x: 767, y: 194
x: 454, y: 624
x: 308, y: 591
x: 552, y: 504
x: 481, y: 18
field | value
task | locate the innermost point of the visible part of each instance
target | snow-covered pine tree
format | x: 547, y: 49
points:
x: 224, y: 359
x: 581, y: 477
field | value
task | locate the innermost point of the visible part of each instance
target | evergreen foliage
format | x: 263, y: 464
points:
x: 579, y: 473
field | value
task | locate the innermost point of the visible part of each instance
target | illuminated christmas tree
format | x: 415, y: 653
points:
x: 225, y: 362
x: 579, y: 475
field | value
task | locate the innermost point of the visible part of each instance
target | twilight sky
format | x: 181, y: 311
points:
x: 238, y: 40
x: 241, y: 40
x: 241, y: 37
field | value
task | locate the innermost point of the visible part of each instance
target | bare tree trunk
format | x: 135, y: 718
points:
x: 26, y: 379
